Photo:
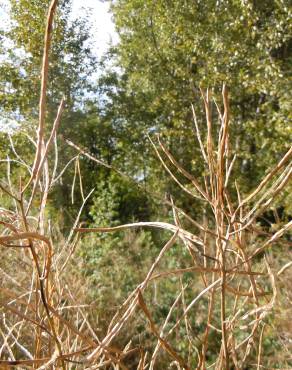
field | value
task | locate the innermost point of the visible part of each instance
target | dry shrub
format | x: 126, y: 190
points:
x: 45, y: 315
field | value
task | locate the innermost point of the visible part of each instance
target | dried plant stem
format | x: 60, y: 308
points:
x: 43, y: 96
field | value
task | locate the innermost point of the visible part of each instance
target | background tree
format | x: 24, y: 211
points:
x: 168, y: 49
x: 71, y: 63
x: 70, y: 74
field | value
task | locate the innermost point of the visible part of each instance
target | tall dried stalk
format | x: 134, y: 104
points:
x: 229, y: 255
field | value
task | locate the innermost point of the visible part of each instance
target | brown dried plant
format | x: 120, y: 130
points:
x: 223, y: 256
x: 45, y: 325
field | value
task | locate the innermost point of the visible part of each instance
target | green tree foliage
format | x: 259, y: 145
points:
x: 168, y: 49
x: 71, y: 61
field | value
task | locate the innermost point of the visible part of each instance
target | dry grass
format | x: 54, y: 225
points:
x: 44, y: 320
